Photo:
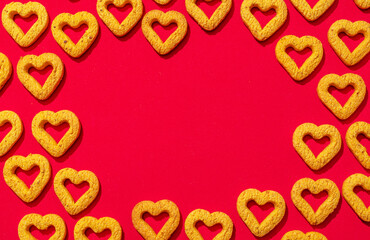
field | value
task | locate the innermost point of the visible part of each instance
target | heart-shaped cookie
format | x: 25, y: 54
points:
x: 162, y: 2
x: 298, y: 235
x: 355, y: 146
x: 14, y: 134
x: 363, y: 4
x: 311, y: 14
x: 120, y: 29
x: 351, y: 29
x: 261, y: 34
x: 75, y: 21
x: 299, y: 44
x: 164, y: 19
x: 352, y: 199
x: 315, y: 187
x: 76, y: 177
x: 209, y: 219
x: 98, y: 226
x: 261, y: 198
x: 341, y: 82
x: 46, y: 141
x: 40, y: 62
x: 5, y: 70
x: 42, y: 223
x: 26, y: 164
x: 317, y: 132
x: 154, y: 209
x: 25, y: 11
x: 201, y: 18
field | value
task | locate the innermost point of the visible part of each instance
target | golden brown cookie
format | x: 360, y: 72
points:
x: 164, y: 19
x: 40, y: 62
x: 352, y: 199
x: 46, y: 141
x: 75, y: 21
x: 162, y: 2
x: 209, y: 219
x: 14, y: 134
x: 358, y: 150
x: 76, y: 177
x: 117, y: 28
x: 26, y: 164
x: 261, y: 198
x: 341, y: 82
x: 299, y: 44
x: 311, y: 14
x: 298, y: 235
x: 315, y: 187
x: 261, y: 34
x: 25, y: 11
x: 98, y: 226
x: 201, y: 18
x: 317, y: 132
x: 42, y: 223
x: 5, y: 69
x: 154, y: 209
x: 363, y: 4
x: 351, y: 29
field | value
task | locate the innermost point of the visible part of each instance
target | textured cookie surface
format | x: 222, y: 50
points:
x: 299, y: 44
x: 154, y: 209
x: 164, y: 19
x: 39, y: 91
x: 351, y: 197
x: 25, y: 11
x: 317, y: 132
x: 298, y: 235
x: 261, y: 34
x: 162, y: 2
x: 201, y: 18
x: 351, y: 29
x: 76, y: 177
x: 75, y: 21
x: 5, y: 69
x: 26, y: 164
x: 46, y: 141
x: 355, y: 146
x: 341, y: 82
x: 117, y: 28
x: 14, y: 134
x: 311, y: 14
x: 363, y: 4
x: 42, y: 223
x: 209, y: 219
x: 98, y: 226
x: 261, y: 198
x: 315, y: 187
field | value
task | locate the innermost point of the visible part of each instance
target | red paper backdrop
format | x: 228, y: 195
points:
x: 199, y: 126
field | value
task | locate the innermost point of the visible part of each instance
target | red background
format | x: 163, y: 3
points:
x: 199, y: 126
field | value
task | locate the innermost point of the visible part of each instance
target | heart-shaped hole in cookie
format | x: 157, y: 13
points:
x: 76, y: 190
x: 342, y: 95
x: 5, y: 129
x: 363, y: 195
x: 312, y: 3
x: 263, y: 17
x: 364, y: 141
x: 25, y: 23
x: 57, y: 132
x: 316, y: 145
x: 351, y: 41
x: 41, y: 75
x: 208, y: 6
x: 42, y: 234
x: 156, y: 222
x: 29, y: 176
x: 120, y: 13
x: 104, y: 235
x: 299, y: 57
x: 260, y: 211
x: 75, y: 34
x: 208, y: 232
x: 315, y: 200
x: 164, y: 31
